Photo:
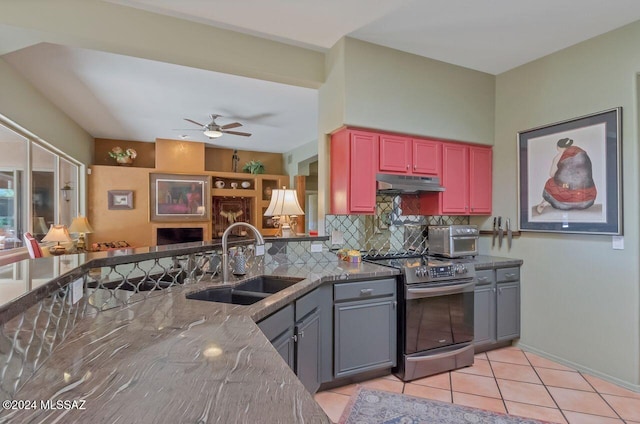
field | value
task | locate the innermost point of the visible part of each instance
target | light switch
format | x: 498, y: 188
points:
x: 259, y: 249
x: 617, y: 242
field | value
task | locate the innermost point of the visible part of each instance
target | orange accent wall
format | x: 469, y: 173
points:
x: 179, y: 156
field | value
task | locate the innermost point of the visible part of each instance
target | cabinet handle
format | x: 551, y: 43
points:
x: 509, y: 275
x: 301, y: 334
x: 415, y: 167
x: 366, y: 292
x: 483, y: 278
x: 395, y: 304
x: 295, y: 338
x: 407, y: 166
x: 500, y: 290
x: 494, y: 289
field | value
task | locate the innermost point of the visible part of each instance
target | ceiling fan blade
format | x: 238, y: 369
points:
x: 194, y: 122
x: 237, y: 133
x: 233, y: 125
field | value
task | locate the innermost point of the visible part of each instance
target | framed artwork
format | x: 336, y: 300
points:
x: 570, y: 175
x: 120, y: 199
x: 179, y: 197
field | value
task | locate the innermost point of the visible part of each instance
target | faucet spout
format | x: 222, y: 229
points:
x: 225, y: 250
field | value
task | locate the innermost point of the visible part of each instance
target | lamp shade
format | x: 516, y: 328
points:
x: 80, y: 224
x: 284, y: 202
x: 57, y: 233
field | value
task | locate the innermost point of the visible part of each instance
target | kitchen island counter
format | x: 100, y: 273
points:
x: 172, y: 359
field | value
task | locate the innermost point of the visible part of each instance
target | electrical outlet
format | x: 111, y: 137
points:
x: 337, y: 237
x: 316, y: 247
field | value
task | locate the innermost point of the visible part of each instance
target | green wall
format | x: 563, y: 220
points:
x: 580, y: 298
x: 391, y: 90
x: 21, y: 103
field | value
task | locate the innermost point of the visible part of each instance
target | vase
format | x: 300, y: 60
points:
x: 124, y: 161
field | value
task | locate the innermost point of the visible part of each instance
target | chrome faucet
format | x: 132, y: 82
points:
x: 225, y: 250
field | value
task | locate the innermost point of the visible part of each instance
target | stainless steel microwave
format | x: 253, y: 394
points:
x: 453, y: 241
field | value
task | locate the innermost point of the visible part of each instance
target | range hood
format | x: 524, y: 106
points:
x: 390, y: 183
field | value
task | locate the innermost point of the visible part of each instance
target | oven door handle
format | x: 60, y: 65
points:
x: 416, y: 293
x: 439, y: 355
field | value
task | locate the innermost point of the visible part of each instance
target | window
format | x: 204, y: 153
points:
x: 38, y: 188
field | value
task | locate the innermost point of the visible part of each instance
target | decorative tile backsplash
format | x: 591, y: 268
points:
x: 395, y: 228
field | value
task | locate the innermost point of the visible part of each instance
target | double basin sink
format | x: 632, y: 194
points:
x: 248, y: 292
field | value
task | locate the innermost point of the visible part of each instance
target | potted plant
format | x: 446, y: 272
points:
x: 123, y: 157
x: 254, y: 167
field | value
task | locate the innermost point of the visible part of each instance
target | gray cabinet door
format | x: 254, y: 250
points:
x: 365, y: 336
x: 285, y: 346
x: 484, y: 314
x: 508, y: 311
x: 278, y: 328
x: 308, y: 351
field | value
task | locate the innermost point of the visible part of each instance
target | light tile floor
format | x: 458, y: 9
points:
x: 511, y: 381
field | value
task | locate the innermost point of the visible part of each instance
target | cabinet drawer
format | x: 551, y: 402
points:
x: 276, y: 324
x: 508, y: 274
x: 362, y: 290
x: 485, y: 276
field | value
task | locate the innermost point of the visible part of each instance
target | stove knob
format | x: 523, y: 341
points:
x: 461, y: 269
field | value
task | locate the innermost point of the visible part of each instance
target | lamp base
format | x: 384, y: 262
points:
x: 57, y: 250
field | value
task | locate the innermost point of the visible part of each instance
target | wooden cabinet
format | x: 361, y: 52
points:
x: 405, y: 155
x: 365, y: 333
x: 354, y: 157
x: 250, y: 193
x: 497, y: 307
x: 467, y: 179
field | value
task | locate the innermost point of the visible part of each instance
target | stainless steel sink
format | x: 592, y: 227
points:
x: 268, y: 284
x: 248, y: 292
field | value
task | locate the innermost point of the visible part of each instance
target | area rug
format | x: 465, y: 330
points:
x: 369, y: 406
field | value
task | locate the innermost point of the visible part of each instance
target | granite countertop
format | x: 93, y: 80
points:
x: 172, y: 359
x: 482, y: 262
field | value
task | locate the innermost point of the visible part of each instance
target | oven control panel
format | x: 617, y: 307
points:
x: 441, y: 271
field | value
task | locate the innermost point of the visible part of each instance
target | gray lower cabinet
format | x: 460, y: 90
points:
x: 365, y: 333
x: 301, y: 333
x: 497, y: 307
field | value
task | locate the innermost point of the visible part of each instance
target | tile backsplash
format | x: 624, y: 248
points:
x: 393, y: 229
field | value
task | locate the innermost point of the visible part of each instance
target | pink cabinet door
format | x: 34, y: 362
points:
x: 427, y: 157
x: 395, y: 154
x: 362, y: 173
x: 455, y: 178
x: 480, y: 181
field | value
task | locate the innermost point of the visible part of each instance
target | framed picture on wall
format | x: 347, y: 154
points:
x: 570, y: 175
x: 120, y: 199
x: 179, y: 197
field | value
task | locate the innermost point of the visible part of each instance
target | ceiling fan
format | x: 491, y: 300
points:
x: 213, y: 130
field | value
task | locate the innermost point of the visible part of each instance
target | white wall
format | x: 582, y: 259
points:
x: 580, y: 298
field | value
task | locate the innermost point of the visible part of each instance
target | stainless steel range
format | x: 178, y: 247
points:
x: 435, y: 322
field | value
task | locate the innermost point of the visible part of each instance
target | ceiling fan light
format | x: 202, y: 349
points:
x: 212, y: 133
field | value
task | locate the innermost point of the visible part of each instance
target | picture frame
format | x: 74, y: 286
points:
x: 179, y: 198
x: 120, y: 199
x: 569, y: 175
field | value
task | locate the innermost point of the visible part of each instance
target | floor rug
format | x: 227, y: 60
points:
x: 369, y: 406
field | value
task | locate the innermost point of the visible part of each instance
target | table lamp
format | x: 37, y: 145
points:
x: 284, y: 207
x: 57, y: 233
x: 80, y: 225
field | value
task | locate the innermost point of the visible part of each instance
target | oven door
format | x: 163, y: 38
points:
x: 438, y: 315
